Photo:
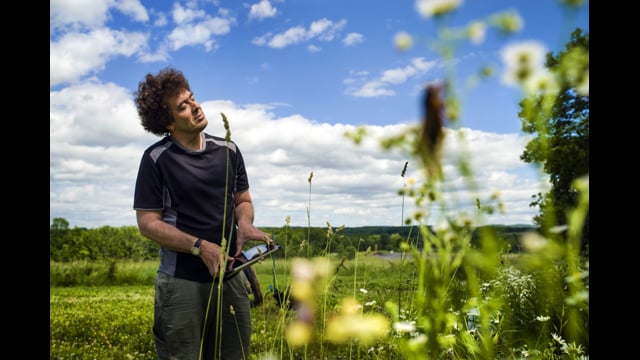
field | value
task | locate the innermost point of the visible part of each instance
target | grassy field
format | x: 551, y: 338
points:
x: 114, y: 321
x: 445, y: 304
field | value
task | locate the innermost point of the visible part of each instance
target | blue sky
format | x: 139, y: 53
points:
x: 291, y: 76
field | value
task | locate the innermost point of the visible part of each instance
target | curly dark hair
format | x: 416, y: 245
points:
x: 151, y: 98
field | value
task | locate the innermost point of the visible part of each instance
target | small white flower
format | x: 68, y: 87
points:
x: 558, y: 229
x: 477, y: 32
x: 540, y: 81
x: 542, y: 318
x: 402, y: 41
x: 404, y: 326
x: 508, y: 22
x: 522, y: 61
x: 364, y: 291
x: 533, y: 241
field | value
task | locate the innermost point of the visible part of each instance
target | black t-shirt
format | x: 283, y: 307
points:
x: 190, y: 189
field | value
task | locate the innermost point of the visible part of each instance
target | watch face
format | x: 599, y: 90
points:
x: 195, y: 251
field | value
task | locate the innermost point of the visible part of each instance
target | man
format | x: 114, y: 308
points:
x: 192, y: 198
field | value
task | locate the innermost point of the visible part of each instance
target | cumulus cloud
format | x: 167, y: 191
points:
x: 352, y: 39
x: 80, y: 44
x: 78, y: 14
x: 196, y: 27
x: 75, y: 55
x: 360, y: 85
x: 322, y: 30
x: 262, y: 10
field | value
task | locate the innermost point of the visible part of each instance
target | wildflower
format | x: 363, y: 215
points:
x: 350, y: 324
x: 308, y: 276
x: 364, y: 291
x: 540, y: 81
x: 404, y: 326
x: 522, y: 60
x: 485, y: 71
x: 298, y: 333
x: 402, y: 41
x: 232, y: 310
x: 435, y: 8
x: 302, y: 290
x: 542, y: 318
x: 477, y: 31
x: 558, y: 229
x: 560, y: 341
x: 578, y: 297
x: 417, y: 343
x: 508, y: 22
x: 370, y: 303
x: 349, y: 306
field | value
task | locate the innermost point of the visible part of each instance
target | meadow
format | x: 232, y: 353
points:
x: 369, y: 307
x: 114, y: 321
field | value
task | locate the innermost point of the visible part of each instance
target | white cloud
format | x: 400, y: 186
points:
x: 97, y: 141
x: 361, y: 86
x: 132, y: 8
x: 262, y: 10
x: 293, y: 35
x: 352, y: 39
x: 322, y: 30
x: 196, y: 27
x: 77, y: 13
x: 199, y: 33
x: 75, y: 55
x: 182, y: 15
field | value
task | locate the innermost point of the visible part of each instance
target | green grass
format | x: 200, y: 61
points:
x: 114, y: 321
x: 106, y: 322
x: 521, y: 304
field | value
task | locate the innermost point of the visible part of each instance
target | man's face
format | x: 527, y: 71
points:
x: 187, y: 114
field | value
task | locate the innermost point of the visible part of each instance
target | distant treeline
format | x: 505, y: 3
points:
x: 126, y: 242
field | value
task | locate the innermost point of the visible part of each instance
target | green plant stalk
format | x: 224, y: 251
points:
x: 577, y: 294
x: 224, y: 250
x: 309, y: 218
x: 235, y: 320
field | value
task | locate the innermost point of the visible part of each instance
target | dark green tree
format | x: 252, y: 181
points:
x: 59, y: 224
x: 561, y: 145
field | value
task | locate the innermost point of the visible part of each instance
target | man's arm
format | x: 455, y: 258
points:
x: 168, y: 236
x: 244, y: 215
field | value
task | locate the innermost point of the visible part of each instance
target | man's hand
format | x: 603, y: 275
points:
x: 212, y: 256
x: 247, y: 232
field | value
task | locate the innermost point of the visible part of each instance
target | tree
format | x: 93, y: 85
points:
x: 561, y: 144
x: 60, y: 224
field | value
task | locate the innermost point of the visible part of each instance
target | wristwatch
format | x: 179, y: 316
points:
x: 195, y: 250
